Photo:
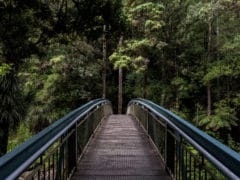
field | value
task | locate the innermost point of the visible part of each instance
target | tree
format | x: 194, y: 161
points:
x: 15, y: 45
x: 134, y: 54
x: 59, y: 82
x: 31, y: 27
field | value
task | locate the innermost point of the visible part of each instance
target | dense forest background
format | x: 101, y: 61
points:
x: 58, y: 54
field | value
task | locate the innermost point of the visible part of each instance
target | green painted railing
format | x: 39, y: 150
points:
x: 187, y: 152
x: 53, y: 153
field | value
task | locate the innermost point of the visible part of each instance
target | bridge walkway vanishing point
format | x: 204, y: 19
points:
x: 120, y: 150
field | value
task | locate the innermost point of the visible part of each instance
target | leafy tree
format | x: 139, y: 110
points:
x: 134, y: 54
x: 63, y: 84
x: 15, y: 45
x: 30, y: 28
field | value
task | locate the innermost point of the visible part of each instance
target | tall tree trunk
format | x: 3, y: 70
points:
x: 209, y: 107
x: 177, y: 75
x: 144, y: 84
x: 217, y: 42
x: 120, y: 82
x: 104, y: 76
x: 209, y: 97
x: 163, y: 78
x: 144, y: 95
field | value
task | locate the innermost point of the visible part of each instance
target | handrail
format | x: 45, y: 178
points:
x: 224, y: 158
x: 15, y: 162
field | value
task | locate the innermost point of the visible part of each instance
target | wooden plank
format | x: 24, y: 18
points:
x: 120, y: 150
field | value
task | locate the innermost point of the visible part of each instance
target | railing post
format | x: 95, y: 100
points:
x: 154, y: 133
x: 180, y: 157
x: 86, y: 132
x: 72, y: 150
x: 60, y: 161
x: 146, y: 119
x: 170, y: 150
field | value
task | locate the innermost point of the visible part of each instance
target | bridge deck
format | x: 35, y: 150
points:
x: 120, y: 150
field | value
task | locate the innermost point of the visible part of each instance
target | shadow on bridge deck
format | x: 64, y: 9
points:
x: 120, y: 150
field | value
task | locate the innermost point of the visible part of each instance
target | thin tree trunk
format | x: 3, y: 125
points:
x: 177, y: 75
x: 145, y: 79
x: 209, y: 110
x: 228, y: 90
x: 104, y: 76
x: 217, y: 42
x: 120, y: 81
x: 163, y: 77
x: 145, y: 84
x: 209, y: 97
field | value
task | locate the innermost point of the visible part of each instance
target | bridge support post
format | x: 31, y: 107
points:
x: 180, y: 157
x: 60, y: 161
x: 72, y: 150
x: 170, y: 150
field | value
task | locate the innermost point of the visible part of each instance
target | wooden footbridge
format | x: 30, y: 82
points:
x: 149, y: 142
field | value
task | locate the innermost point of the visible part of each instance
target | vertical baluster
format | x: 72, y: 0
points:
x: 201, y: 166
x: 44, y: 170
x: 206, y: 175
x: 186, y: 161
x: 53, y: 167
x: 170, y: 150
x: 194, y: 168
x: 63, y: 159
x: 71, y: 151
x: 179, y: 155
x: 60, y: 162
x: 176, y: 168
x: 38, y: 174
x: 190, y: 166
x: 49, y: 168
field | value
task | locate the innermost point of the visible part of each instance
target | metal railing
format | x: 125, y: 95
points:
x: 53, y: 153
x: 187, y: 152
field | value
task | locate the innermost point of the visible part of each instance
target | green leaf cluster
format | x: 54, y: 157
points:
x: 5, y: 69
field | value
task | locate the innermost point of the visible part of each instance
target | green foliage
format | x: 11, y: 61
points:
x: 134, y: 78
x: 232, y: 46
x: 5, y: 69
x: 180, y: 114
x: 182, y: 86
x: 57, y: 59
x: 127, y: 56
x: 147, y: 14
x: 10, y: 104
x: 233, y: 144
x: 152, y: 25
x: 137, y: 46
x: 119, y: 60
x: 217, y: 71
x: 11, y: 108
x: 48, y: 89
x: 21, y: 135
x: 53, y: 48
x: 223, y: 117
x: 199, y: 11
x: 59, y: 82
x: 154, y: 88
